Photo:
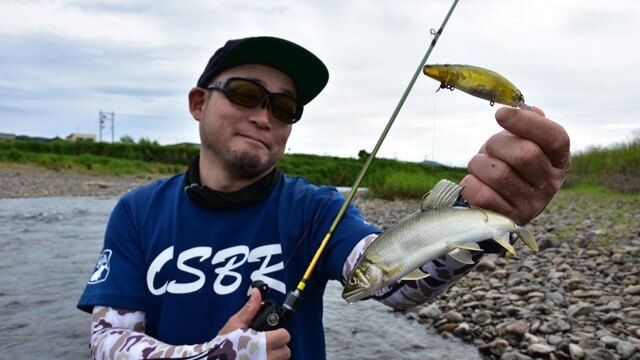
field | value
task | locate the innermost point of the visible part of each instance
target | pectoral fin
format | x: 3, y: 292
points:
x: 462, y: 256
x: 468, y: 246
x: 416, y: 274
x: 503, y: 240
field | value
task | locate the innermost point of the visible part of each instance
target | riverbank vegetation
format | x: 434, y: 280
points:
x: 596, y: 170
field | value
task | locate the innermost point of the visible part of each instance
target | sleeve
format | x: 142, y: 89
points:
x: 351, y: 229
x: 118, y: 278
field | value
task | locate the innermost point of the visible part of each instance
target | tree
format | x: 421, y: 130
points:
x: 127, y: 140
x: 363, y: 154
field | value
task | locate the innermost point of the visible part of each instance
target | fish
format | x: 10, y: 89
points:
x: 439, y: 227
x: 476, y: 81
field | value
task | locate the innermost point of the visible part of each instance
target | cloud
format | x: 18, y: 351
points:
x: 63, y: 61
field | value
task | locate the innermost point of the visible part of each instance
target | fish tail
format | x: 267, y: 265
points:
x: 526, y: 236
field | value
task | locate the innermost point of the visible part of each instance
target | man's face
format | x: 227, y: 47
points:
x: 246, y: 142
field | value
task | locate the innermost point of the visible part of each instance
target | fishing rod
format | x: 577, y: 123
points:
x: 272, y: 315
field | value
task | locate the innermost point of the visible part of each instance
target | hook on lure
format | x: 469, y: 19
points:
x: 476, y: 81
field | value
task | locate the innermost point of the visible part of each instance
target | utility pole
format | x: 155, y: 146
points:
x: 102, y: 118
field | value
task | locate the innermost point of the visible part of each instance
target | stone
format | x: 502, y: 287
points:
x: 580, y: 309
x: 575, y: 352
x: 609, y: 341
x: 487, y: 264
x: 454, y: 316
x: 514, y: 355
x: 517, y: 328
x: 540, y: 350
x: 462, y: 330
x: 626, y: 349
x: 430, y: 312
x: 600, y: 354
x: 554, y: 326
x: 591, y: 344
x: 632, y: 290
x: 555, y: 297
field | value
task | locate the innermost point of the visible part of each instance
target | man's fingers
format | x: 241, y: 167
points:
x: 277, y: 338
x: 548, y: 135
x: 481, y: 195
x: 277, y: 341
x: 522, y: 155
x: 250, y: 308
x: 244, y: 317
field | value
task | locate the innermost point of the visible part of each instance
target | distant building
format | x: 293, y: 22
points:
x: 81, y: 137
x: 6, y: 136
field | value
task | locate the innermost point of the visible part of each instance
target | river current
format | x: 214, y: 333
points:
x: 48, y: 247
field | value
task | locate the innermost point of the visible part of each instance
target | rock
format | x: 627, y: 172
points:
x: 609, y: 341
x: 496, y: 347
x: 487, y: 264
x: 554, y: 326
x: 591, y: 344
x: 430, y: 312
x: 514, y: 355
x: 462, y: 330
x: 555, y: 297
x: 612, y: 305
x: 626, y: 349
x: 454, y: 316
x: 448, y: 327
x: 517, y: 328
x: 600, y: 354
x: 540, y: 350
x: 575, y: 352
x: 587, y: 293
x: 632, y: 290
x: 612, y: 318
x: 531, y: 339
x: 580, y: 309
x: 546, y: 242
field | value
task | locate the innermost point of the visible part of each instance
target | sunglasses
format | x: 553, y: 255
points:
x: 250, y: 94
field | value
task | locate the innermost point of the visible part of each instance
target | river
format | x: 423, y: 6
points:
x: 48, y: 247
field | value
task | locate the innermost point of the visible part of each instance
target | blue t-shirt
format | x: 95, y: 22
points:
x: 189, y: 268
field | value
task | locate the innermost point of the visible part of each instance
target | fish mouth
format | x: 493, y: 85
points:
x: 352, y: 296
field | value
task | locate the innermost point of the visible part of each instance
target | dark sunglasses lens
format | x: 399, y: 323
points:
x: 284, y: 108
x: 246, y: 93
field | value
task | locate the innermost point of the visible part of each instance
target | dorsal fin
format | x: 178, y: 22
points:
x: 443, y: 194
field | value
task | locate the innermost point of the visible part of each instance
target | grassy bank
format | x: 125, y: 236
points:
x: 615, y: 168
x: 598, y: 170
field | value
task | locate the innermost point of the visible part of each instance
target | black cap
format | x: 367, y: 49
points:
x: 308, y: 72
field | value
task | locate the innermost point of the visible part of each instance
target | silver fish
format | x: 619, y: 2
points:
x: 438, y: 228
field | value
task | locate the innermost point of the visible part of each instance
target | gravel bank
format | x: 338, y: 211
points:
x: 577, y: 298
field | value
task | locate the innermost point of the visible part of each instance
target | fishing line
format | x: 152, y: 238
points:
x: 354, y: 187
x: 272, y: 316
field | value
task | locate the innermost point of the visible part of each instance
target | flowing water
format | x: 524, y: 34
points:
x: 48, y: 247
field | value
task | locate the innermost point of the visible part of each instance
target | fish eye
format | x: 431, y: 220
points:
x: 353, y: 281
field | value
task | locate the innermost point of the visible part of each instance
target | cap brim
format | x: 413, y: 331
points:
x: 306, y: 70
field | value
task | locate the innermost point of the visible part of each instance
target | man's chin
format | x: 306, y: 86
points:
x: 247, y: 165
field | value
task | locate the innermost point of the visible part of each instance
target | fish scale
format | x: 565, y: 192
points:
x: 423, y: 236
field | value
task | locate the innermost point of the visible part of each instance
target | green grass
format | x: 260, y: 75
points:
x: 616, y: 168
x: 597, y: 171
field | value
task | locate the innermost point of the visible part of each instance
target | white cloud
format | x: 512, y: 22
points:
x: 63, y: 61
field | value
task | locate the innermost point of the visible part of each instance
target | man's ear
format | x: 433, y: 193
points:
x: 196, y: 102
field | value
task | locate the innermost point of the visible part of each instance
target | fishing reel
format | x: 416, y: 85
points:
x: 272, y: 315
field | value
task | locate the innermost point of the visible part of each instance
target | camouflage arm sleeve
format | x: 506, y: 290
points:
x: 119, y: 334
x: 443, y: 273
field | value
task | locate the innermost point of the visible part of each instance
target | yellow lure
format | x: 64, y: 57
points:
x: 476, y: 81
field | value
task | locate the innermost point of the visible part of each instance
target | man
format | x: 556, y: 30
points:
x: 182, y: 252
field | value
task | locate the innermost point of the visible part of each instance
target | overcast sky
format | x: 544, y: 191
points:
x: 61, y: 62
